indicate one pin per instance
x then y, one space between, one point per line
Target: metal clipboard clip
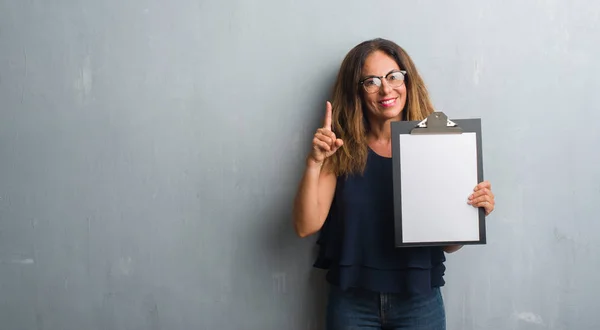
436 123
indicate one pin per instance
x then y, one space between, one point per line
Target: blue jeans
359 309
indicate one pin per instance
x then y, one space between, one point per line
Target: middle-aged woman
346 194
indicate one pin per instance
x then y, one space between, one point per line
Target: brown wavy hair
349 122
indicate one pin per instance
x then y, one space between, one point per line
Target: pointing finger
327 121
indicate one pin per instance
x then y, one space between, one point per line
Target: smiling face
388 102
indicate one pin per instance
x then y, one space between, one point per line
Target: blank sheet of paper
438 173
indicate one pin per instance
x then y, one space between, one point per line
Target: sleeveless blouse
356 242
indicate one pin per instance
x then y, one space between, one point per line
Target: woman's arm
452 248
317 186
313 199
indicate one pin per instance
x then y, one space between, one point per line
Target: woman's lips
388 102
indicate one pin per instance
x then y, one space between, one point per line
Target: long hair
348 118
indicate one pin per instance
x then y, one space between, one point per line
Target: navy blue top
357 238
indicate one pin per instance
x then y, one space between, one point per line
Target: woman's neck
380 131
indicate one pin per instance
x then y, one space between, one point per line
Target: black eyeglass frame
403 72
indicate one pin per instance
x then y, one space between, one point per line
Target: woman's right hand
325 143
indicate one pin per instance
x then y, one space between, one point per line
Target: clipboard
436 163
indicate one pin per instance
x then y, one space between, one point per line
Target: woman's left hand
482 196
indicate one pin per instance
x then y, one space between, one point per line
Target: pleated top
356 243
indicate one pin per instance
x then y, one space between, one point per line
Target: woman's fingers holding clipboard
483 196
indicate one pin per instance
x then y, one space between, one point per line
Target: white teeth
388 102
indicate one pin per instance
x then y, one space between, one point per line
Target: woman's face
385 102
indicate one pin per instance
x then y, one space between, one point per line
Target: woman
346 193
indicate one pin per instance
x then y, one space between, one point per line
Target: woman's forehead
379 64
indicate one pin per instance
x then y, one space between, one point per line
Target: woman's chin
386 113
391 113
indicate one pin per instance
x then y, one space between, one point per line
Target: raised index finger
327 120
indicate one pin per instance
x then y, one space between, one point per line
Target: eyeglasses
373 83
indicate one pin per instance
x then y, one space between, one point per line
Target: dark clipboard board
436 123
